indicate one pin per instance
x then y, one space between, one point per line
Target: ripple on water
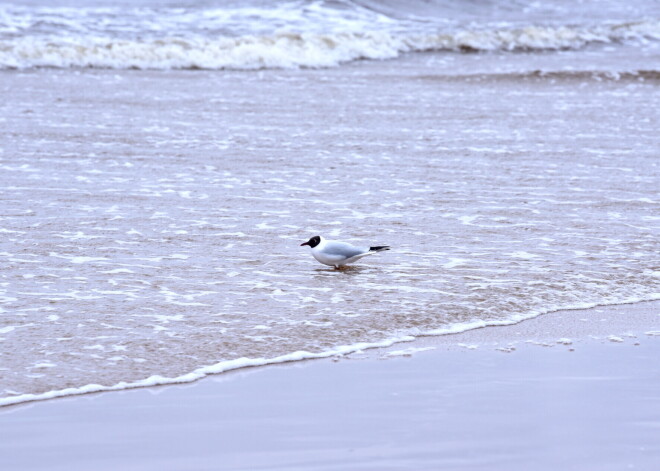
190 255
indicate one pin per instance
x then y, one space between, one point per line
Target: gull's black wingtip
379 248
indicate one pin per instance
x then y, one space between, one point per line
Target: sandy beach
567 390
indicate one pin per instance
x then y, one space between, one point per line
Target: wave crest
290 50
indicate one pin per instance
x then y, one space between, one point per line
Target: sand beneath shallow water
187 195
569 390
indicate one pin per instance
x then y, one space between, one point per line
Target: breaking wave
308 50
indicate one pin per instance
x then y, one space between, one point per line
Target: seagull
337 254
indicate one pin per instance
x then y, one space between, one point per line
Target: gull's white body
337 254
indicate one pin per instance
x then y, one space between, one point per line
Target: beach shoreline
572 389
445 338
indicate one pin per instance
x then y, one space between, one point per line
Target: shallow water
151 220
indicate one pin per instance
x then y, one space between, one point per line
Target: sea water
160 165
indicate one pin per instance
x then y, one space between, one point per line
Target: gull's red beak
304 243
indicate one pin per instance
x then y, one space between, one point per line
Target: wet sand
569 390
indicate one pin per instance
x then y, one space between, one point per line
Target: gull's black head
313 242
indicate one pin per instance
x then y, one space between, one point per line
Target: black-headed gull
337 254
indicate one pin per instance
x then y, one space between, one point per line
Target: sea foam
295 50
220 367
244 362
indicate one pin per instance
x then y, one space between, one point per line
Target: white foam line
458 328
202 372
229 365
308 49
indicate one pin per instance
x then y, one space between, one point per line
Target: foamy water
151 220
233 35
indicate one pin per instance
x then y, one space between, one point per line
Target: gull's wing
343 249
